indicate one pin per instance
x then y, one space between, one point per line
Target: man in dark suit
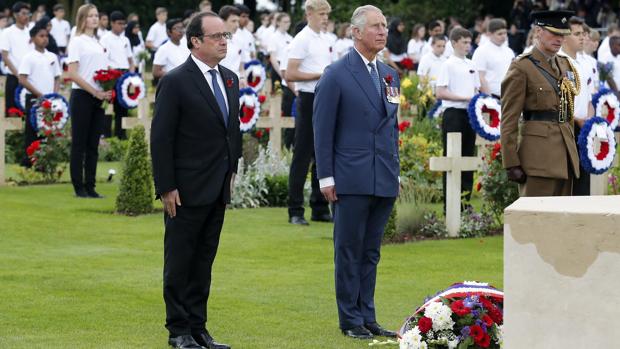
195 146
356 145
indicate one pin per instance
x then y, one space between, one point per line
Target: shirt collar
203 67
366 61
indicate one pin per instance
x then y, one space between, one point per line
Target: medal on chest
391 92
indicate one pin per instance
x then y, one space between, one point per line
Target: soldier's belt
552 116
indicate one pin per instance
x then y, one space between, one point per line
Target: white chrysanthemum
441 315
500 336
412 339
453 344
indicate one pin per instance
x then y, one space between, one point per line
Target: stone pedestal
561 273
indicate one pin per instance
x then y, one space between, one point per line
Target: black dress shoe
358 332
93 194
377 330
208 342
81 193
326 217
184 342
298 220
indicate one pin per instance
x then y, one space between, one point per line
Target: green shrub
14 147
497 191
277 191
112 149
474 224
136 192
415 154
390 232
433 226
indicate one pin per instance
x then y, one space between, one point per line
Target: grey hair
358 20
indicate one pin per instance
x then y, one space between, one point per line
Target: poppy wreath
436 110
479 107
20 97
607 106
255 75
50 114
249 109
130 88
596 130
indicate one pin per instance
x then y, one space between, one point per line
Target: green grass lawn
75 275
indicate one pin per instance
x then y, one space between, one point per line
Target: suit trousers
9 92
30 135
359 223
190 245
303 154
119 114
456 120
288 98
581 185
87 118
541 186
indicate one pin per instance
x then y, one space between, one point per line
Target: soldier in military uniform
541 86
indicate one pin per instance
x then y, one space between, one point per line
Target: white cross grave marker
454 164
275 122
144 119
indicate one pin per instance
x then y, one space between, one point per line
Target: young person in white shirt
15 44
416 43
590 45
583 109
430 64
61 29
344 42
604 50
120 57
233 61
458 82
261 40
104 24
436 28
278 44
86 56
172 53
493 58
132 31
39 73
157 33
244 37
310 53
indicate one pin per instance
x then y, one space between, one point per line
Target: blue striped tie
219 96
375 77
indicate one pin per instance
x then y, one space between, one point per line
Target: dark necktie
219 96
375 77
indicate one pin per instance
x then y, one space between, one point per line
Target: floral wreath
480 105
249 106
20 97
606 105
130 88
596 128
54 103
255 75
436 110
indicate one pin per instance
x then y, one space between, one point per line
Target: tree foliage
136 192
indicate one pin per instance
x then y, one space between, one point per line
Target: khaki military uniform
546 150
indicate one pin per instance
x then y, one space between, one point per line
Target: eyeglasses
219 36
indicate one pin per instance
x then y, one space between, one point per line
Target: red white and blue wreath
255 75
607 106
482 108
130 88
436 110
56 108
20 97
597 145
249 105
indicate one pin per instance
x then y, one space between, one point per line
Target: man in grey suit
356 145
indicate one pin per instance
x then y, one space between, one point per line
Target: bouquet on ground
106 78
466 315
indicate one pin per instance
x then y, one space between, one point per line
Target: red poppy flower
484 342
46 104
459 308
388 79
487 320
425 324
476 333
229 82
262 99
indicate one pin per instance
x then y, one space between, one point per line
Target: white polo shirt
430 65
278 44
414 49
232 60
494 61
157 34
61 29
342 46
591 65
429 48
42 69
118 49
17 43
315 52
90 55
604 51
244 39
170 55
459 75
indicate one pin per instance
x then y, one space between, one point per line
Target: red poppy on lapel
388 79
229 82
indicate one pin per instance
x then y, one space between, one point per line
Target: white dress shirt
204 68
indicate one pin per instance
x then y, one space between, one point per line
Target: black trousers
581 185
288 97
456 120
190 246
119 114
303 154
30 135
87 117
9 92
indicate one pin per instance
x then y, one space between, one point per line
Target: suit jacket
546 149
355 129
191 148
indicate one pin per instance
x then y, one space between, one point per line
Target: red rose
262 99
46 104
478 186
459 308
496 150
487 320
388 79
15 112
496 315
476 333
484 342
403 126
48 133
407 63
259 134
425 324
33 147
